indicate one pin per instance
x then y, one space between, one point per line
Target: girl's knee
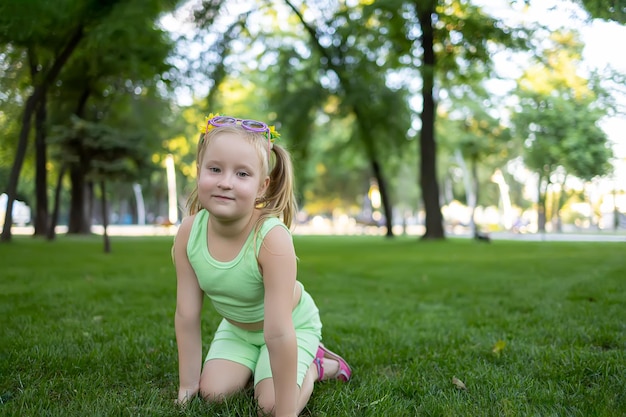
212 395
265 398
265 405
221 379
216 393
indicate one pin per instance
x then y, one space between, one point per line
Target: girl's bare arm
189 297
278 262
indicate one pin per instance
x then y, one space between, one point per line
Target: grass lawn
530 328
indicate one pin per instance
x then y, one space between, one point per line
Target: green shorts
248 347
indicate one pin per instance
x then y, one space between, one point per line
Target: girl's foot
343 372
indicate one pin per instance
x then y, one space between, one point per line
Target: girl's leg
264 390
307 387
264 393
307 374
330 365
331 369
229 362
221 378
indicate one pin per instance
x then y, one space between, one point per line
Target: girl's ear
264 184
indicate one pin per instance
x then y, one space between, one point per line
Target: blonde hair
279 199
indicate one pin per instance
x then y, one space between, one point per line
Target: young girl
235 248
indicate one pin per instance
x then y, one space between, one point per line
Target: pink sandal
344 372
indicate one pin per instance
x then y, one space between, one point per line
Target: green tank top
235 287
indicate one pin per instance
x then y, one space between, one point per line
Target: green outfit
237 292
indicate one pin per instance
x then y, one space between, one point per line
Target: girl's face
230 177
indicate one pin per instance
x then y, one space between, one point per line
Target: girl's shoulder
186 226
273 231
276 243
269 223
179 248
187 223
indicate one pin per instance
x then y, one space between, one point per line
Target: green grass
88 334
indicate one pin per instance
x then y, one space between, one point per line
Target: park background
499 116
412 125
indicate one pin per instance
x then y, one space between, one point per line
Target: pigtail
280 200
193 202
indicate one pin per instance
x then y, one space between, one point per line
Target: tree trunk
474 167
20 153
428 149
41 175
541 207
54 219
616 212
559 203
471 197
79 203
384 196
105 221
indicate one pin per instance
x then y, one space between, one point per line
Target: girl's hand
185 395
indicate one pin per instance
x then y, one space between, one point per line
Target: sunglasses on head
248 124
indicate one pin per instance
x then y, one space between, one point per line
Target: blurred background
428 118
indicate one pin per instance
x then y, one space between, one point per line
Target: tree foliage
557 118
614 10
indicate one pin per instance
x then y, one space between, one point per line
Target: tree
112 154
379 111
557 118
456 41
31 31
13 78
480 141
109 83
428 148
95 68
